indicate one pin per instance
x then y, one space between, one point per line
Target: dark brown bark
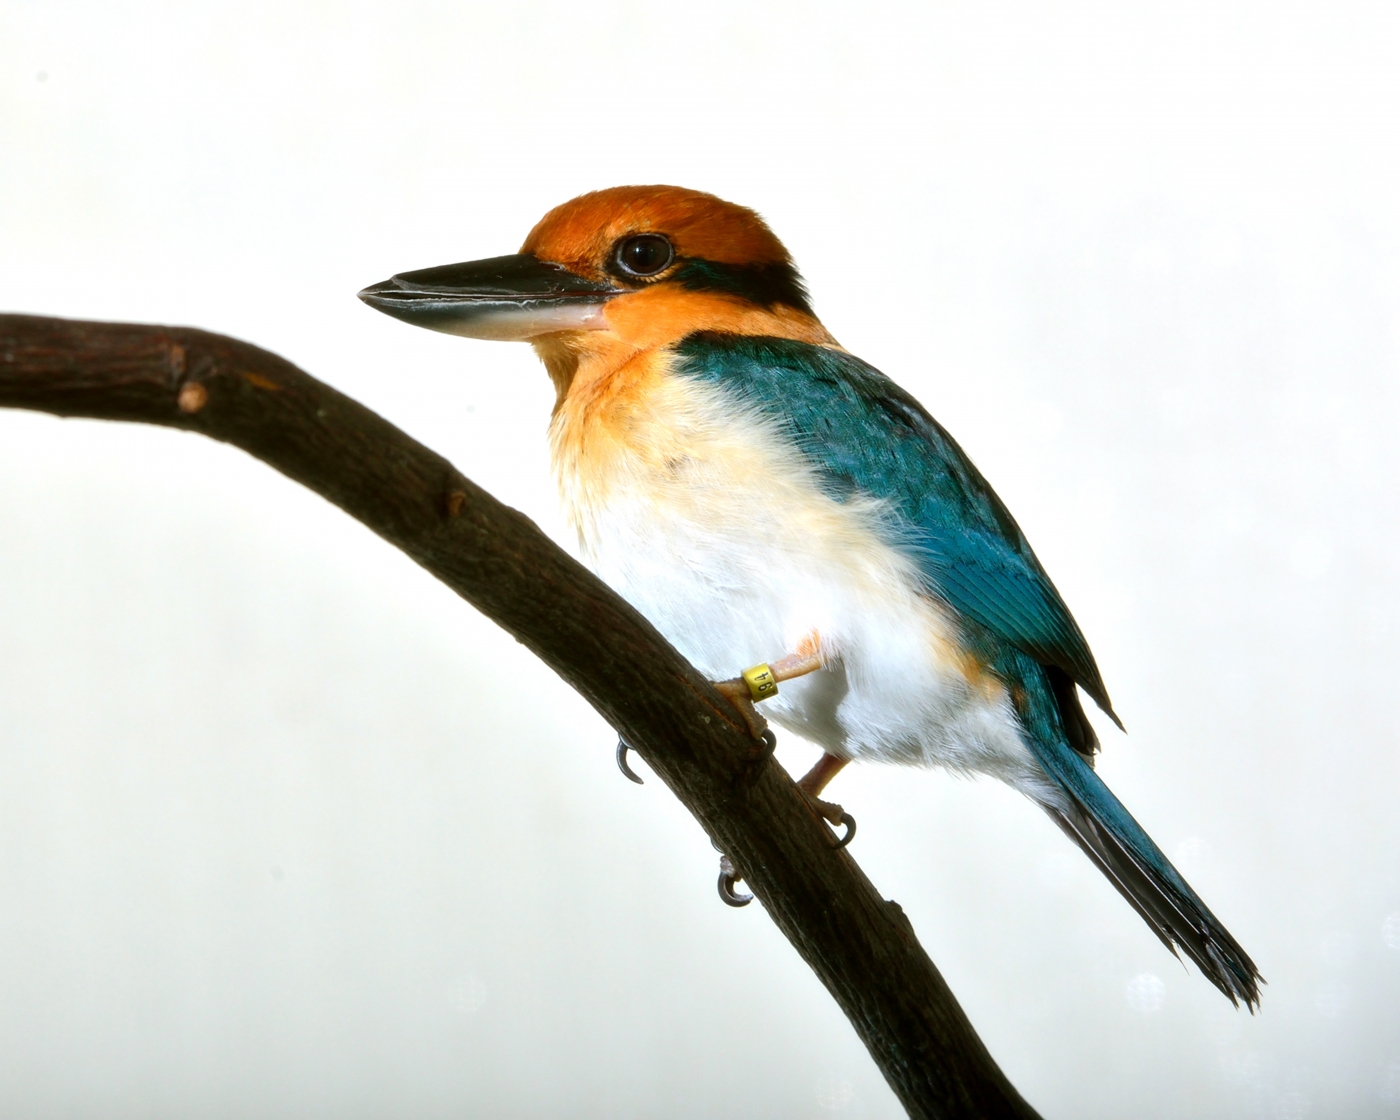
862 946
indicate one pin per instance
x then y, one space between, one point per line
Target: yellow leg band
761 683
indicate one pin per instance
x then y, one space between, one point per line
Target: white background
287 830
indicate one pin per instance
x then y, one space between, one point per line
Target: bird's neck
623 420
653 320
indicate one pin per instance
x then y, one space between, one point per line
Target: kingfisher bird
766 498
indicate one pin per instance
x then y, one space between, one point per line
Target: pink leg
807 659
820 775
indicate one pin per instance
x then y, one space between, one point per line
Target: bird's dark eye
643 255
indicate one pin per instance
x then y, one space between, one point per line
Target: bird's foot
834 815
761 681
736 691
816 780
727 878
623 746
729 875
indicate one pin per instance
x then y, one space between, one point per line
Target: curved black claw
627 772
727 878
850 823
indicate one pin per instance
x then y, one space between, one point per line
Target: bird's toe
835 816
728 877
736 691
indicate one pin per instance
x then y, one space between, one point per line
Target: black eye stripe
647 256
642 254
767 285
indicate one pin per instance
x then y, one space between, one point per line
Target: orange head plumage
587 234
614 272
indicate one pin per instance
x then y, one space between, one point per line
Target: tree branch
862 947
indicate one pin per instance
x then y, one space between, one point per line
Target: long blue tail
1106 831
1097 821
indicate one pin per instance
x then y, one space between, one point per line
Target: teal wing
866 435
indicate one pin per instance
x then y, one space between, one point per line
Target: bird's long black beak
514 297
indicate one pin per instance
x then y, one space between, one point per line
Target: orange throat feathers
654 319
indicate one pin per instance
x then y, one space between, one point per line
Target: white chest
720 533
707 521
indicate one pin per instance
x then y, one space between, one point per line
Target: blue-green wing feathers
866 435
1106 832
